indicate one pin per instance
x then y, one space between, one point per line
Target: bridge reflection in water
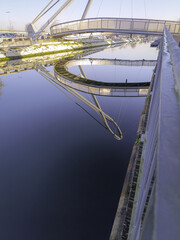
26 64
71 82
96 107
81 83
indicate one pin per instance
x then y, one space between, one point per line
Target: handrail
175 57
132 25
112 18
156 206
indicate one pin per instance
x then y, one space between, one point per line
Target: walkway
155 197
116 25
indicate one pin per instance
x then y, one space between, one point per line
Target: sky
15 14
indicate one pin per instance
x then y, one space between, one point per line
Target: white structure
116 25
156 202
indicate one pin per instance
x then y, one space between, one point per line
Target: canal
61 171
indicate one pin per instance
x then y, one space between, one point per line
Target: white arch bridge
89 25
116 25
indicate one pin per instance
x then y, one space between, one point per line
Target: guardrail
146 26
156 207
175 57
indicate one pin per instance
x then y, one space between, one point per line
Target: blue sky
17 13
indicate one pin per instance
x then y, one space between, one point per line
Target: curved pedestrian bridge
82 83
116 25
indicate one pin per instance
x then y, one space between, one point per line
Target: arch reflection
96 106
82 83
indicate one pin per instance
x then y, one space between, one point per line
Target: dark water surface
61 173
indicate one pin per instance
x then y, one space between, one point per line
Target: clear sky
17 13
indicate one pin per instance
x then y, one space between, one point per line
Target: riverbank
48 48
38 50
122 219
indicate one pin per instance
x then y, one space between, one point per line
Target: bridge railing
175 57
117 25
148 159
156 207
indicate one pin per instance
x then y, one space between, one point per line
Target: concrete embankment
121 224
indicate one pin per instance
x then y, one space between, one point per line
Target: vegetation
137 141
66 43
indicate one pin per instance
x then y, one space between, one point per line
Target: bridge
149 205
90 25
116 25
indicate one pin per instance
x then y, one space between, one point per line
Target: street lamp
10 24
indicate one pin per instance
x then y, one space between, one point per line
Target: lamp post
10 24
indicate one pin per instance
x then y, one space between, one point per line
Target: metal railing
148 159
156 205
123 25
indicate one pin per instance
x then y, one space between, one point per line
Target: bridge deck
117 25
153 209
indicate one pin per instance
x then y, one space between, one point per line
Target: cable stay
131 8
32 32
120 7
47 10
39 15
145 11
99 8
31 29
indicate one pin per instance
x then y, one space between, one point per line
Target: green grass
137 141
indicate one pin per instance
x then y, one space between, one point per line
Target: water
61 173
